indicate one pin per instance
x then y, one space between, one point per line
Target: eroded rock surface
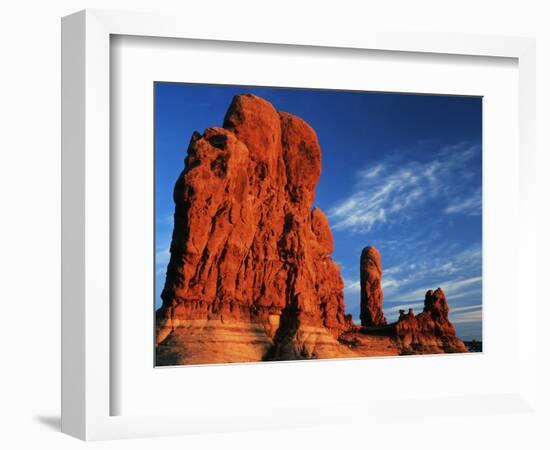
248 253
430 331
371 288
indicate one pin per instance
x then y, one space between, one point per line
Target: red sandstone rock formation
371 288
430 331
250 275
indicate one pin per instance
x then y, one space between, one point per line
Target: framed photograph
250 268
250 218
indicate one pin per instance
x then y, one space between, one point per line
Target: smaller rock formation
430 331
371 288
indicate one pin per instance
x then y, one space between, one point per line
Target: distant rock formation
250 274
371 288
430 331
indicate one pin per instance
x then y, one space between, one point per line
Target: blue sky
400 171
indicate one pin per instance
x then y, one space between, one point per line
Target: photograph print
302 224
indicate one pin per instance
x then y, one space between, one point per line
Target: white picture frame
86 239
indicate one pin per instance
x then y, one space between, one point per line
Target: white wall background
30 201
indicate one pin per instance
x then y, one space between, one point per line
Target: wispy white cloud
352 286
377 200
470 314
452 289
470 205
374 171
165 220
391 283
162 257
467 294
466 308
391 191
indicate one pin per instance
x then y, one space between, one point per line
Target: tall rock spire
371 288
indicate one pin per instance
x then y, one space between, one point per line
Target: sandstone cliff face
371 288
250 275
430 331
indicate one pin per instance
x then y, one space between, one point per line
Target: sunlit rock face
250 265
